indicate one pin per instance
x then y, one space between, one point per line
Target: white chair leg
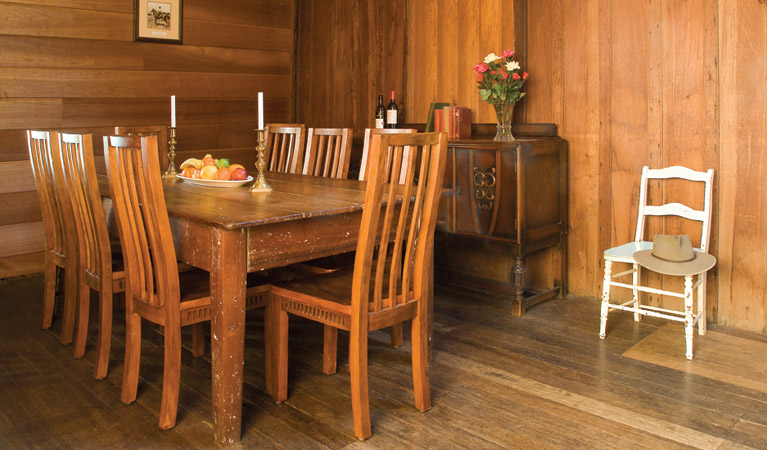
688 317
635 279
702 305
605 299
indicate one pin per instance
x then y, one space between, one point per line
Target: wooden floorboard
544 380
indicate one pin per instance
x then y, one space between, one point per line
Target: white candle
260 110
173 111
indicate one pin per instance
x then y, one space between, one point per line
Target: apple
239 174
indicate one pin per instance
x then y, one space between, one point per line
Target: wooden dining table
232 231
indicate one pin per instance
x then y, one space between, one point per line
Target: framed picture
158 21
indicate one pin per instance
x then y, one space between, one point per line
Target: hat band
673 260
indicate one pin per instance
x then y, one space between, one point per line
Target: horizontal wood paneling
73 66
20 239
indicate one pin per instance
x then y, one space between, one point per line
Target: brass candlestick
171 172
260 185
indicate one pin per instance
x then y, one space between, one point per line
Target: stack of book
453 120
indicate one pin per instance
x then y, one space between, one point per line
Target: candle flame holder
171 172
260 185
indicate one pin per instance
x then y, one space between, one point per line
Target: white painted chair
624 254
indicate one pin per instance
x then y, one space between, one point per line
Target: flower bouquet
500 80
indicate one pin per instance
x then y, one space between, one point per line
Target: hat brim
701 263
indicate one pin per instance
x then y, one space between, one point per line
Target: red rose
505 75
481 68
525 75
507 53
515 75
480 77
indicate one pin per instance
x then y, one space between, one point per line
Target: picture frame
158 21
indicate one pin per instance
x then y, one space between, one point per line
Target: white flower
512 65
491 57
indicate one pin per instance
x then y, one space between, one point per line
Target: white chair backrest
676 209
366 147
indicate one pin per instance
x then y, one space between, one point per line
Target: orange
188 171
209 172
208 161
234 166
223 174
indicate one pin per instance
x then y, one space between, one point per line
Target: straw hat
674 255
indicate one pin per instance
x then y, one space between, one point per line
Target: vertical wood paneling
743 165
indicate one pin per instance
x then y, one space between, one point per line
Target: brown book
446 119
460 122
438 120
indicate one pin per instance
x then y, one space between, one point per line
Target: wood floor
541 381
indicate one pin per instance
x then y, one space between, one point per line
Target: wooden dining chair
99 268
155 290
161 131
284 147
381 289
369 133
328 152
60 232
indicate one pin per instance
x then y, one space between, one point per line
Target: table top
293 197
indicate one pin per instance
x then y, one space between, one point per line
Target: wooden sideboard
509 200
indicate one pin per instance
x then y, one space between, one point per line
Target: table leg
518 273
227 339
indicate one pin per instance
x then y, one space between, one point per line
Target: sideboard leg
518 287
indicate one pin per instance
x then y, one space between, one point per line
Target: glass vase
504 112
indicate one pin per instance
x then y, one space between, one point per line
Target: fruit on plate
191 162
197 173
223 174
238 174
208 160
222 163
209 172
188 171
235 166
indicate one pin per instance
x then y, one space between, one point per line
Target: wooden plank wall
628 83
74 66
348 53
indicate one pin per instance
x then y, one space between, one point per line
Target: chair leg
49 296
635 293
397 338
198 339
688 316
83 315
105 330
276 355
132 353
358 371
420 355
70 305
330 350
171 377
605 299
702 305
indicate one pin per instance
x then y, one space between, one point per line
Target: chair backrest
161 131
676 209
328 152
82 187
410 214
135 184
369 132
284 147
42 150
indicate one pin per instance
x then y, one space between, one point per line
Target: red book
438 119
460 122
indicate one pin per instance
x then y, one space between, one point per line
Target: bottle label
379 123
391 117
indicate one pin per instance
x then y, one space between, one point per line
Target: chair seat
625 252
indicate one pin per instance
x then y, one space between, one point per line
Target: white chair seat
625 252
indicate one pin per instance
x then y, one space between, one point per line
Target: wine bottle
391 113
380 113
